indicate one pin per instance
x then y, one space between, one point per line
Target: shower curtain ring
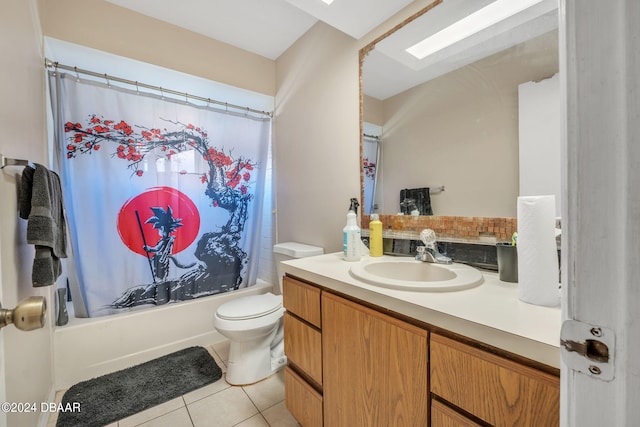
77 75
208 102
137 88
186 98
161 93
106 77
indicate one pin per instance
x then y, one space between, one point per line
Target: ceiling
270 27
266 27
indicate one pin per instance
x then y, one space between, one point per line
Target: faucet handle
428 237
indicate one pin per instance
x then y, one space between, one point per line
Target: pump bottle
351 240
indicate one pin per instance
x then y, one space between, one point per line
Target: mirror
470 121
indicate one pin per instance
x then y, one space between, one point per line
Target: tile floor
218 404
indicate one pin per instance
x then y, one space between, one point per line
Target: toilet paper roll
537 251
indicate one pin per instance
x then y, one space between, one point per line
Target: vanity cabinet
352 364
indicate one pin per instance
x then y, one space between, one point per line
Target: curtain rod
57 66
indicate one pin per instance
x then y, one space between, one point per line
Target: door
600 63
374 368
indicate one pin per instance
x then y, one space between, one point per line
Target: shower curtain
163 197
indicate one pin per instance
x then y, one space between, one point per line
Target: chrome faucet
429 252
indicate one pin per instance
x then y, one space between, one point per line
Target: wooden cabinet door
304 403
499 391
302 299
444 416
303 347
374 367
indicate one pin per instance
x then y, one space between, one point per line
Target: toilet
253 325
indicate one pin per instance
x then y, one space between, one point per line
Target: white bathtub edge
88 348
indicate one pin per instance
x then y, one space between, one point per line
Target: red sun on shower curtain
159 193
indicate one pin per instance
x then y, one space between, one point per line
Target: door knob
28 315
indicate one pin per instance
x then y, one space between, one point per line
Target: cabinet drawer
497 390
304 403
444 416
303 346
302 299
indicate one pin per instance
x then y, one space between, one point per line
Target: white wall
540 132
28 375
459 131
316 150
104 26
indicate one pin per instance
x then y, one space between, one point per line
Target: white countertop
490 313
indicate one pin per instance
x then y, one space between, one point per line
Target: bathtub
86 348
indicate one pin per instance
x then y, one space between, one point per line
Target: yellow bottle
375 236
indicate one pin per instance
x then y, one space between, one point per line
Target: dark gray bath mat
120 394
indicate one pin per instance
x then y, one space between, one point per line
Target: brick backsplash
463 228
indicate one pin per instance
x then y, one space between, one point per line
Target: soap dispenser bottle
375 236
351 240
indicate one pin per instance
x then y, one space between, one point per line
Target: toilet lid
250 307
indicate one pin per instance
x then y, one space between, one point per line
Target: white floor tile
217 358
267 392
222 349
225 408
255 421
151 413
53 416
278 415
205 391
177 418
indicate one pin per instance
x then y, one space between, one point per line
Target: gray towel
41 204
422 198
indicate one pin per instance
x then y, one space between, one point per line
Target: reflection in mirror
370 159
458 119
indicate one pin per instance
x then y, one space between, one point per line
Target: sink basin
411 275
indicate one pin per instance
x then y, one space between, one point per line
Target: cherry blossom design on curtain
226 184
369 168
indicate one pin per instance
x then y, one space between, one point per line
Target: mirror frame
468 229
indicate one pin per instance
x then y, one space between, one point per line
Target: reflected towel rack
8 161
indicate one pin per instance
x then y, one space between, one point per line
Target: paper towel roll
537 251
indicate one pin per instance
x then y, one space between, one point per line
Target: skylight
484 18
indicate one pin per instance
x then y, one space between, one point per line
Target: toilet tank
291 250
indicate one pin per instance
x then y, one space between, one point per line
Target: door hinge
588 349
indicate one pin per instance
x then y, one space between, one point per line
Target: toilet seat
250 307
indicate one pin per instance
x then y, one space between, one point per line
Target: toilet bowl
253 325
